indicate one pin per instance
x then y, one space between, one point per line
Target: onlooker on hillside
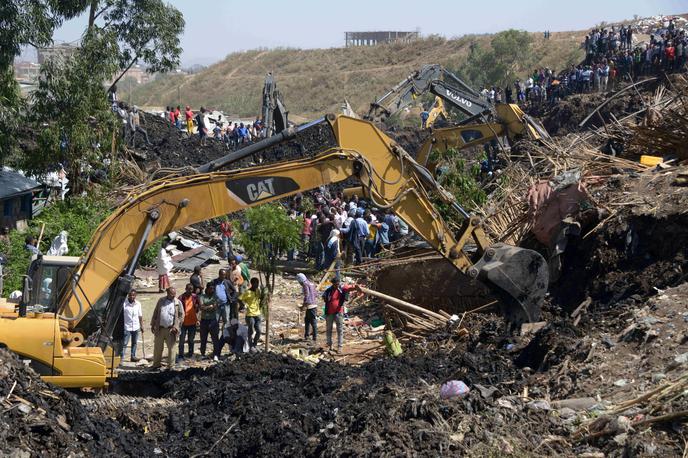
135 127
310 306
335 297
164 267
202 128
189 120
197 280
251 300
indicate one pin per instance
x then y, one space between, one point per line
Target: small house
16 199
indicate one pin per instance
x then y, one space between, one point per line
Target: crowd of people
338 230
231 134
611 56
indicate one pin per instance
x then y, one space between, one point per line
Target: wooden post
40 236
403 304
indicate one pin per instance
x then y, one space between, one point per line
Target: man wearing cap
309 305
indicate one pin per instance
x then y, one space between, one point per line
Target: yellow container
650 161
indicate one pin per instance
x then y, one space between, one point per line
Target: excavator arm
434 79
390 177
388 173
511 122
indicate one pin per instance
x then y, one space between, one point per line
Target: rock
487 392
620 439
620 424
608 342
621 382
658 377
566 412
453 389
23 408
539 405
501 402
532 327
575 403
157 451
681 359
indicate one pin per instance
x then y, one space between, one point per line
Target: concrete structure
16 199
373 38
59 50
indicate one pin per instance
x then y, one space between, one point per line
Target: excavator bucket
518 276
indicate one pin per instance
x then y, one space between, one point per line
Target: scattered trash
453 389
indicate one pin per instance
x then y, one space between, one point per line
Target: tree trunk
131 64
92 14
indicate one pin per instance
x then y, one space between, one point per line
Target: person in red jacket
189 120
335 296
178 117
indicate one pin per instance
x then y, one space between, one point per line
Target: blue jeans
223 313
253 323
134 336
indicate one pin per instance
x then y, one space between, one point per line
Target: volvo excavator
452 91
68 333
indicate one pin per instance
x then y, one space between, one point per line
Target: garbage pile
42 420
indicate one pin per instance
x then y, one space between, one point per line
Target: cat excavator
68 334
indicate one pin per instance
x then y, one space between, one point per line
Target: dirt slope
316 81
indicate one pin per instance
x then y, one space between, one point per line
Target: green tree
270 232
79 216
71 106
509 53
147 31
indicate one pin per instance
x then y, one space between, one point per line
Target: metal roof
13 183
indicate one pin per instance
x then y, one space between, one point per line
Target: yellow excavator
67 332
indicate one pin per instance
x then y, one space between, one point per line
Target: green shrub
79 216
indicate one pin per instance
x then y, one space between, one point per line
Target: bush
79 216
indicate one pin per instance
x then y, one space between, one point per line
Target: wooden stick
403 304
327 274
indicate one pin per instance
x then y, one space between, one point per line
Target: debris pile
40 419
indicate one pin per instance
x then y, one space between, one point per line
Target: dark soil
565 116
628 258
44 420
171 148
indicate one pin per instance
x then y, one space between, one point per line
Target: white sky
215 28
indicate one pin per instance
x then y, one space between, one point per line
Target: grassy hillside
316 81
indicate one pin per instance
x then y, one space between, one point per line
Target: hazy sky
215 28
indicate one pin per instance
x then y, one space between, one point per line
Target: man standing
135 126
227 237
133 323
164 267
189 120
251 300
310 304
235 275
31 245
209 322
197 280
190 303
202 128
226 295
167 317
335 296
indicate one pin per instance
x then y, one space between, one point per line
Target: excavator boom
352 147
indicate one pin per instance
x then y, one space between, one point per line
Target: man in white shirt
167 318
133 323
